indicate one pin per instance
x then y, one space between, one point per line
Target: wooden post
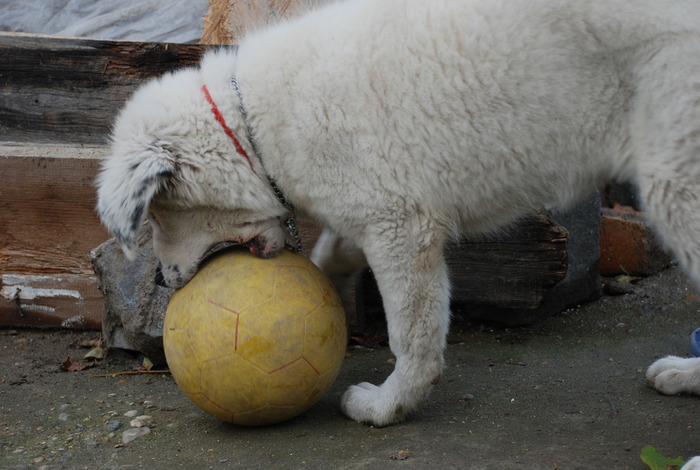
228 20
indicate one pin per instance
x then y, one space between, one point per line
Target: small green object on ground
656 461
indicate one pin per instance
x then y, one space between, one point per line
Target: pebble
141 421
113 425
92 444
134 433
140 425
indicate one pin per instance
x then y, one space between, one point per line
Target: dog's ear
126 188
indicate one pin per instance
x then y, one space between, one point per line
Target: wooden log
62 90
509 274
513 270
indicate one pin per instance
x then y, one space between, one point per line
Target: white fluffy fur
692 464
398 124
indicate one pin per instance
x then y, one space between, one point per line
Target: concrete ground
568 393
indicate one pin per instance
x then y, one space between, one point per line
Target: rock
582 221
113 425
131 413
134 433
135 305
141 421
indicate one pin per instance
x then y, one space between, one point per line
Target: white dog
399 124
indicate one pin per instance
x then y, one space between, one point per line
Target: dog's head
172 164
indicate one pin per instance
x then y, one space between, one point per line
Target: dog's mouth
262 246
217 248
213 250
265 245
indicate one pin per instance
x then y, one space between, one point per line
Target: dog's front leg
410 270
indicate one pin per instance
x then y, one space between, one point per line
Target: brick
628 245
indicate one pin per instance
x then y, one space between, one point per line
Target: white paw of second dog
371 404
672 375
692 464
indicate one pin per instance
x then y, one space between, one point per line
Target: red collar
220 119
290 222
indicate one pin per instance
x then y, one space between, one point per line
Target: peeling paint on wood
16 287
61 300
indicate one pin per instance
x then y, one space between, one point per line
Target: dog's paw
673 375
371 404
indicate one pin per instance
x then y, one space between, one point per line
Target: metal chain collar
294 243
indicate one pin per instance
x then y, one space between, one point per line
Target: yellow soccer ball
255 341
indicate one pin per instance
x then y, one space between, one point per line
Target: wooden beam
512 270
62 90
48 226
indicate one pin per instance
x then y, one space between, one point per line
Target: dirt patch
566 393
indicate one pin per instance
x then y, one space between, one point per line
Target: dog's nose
160 280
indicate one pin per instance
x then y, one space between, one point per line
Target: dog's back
471 94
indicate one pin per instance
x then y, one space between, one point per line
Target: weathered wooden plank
513 270
49 223
58 99
68 90
55 300
48 226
